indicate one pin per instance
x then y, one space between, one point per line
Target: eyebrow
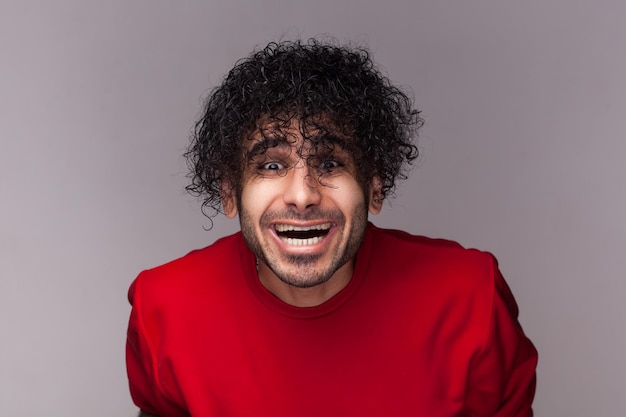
324 140
261 146
329 139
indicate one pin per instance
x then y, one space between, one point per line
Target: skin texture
288 183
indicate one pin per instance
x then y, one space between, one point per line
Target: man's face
302 211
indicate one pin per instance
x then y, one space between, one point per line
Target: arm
502 375
141 366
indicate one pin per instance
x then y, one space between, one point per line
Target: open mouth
302 235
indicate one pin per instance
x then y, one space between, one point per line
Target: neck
309 296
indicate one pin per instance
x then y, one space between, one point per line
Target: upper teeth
289 227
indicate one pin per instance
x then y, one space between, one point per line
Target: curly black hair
322 85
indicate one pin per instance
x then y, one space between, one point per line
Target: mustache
295 215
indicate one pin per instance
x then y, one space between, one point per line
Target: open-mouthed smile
302 235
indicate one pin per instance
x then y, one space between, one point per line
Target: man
311 310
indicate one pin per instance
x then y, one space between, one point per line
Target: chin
303 283
300 279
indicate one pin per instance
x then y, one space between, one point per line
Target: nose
302 187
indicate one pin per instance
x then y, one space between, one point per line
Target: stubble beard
304 271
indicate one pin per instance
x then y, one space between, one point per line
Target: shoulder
200 267
438 277
400 245
441 261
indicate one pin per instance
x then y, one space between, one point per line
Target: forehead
296 133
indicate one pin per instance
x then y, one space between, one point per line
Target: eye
329 164
272 166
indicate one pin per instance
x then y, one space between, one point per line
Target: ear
229 200
375 195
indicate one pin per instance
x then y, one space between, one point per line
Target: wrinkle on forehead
307 137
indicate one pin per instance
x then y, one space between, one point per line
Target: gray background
522 155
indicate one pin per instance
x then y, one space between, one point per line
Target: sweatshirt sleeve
141 365
502 374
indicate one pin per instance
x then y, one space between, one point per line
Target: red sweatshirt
424 328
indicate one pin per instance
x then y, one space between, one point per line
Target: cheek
349 195
257 197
